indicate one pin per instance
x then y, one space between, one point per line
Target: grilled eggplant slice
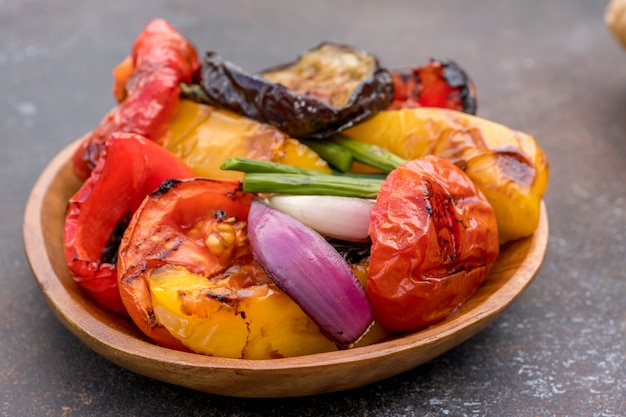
326 90
440 83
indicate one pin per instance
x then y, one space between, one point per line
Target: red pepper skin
434 239
161 59
440 83
129 168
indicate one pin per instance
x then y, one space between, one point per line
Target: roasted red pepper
129 168
434 239
440 83
147 86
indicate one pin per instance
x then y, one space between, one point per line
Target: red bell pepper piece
147 86
440 83
129 168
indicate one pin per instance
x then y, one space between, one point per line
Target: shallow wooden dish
120 342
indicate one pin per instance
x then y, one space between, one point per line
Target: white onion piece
346 218
308 269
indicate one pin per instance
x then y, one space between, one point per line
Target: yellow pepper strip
204 136
228 318
231 317
508 166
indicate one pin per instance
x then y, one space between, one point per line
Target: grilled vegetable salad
322 204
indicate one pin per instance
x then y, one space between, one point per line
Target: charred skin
440 83
327 90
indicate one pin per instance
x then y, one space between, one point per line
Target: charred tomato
434 239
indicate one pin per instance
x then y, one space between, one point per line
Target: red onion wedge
308 269
346 218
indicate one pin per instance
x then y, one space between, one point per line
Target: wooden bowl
118 340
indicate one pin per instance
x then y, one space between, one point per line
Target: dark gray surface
551 69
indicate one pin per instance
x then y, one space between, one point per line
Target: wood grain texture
118 340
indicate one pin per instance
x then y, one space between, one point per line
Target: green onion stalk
272 177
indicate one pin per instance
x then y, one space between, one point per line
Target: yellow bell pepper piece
226 319
204 136
507 165
376 333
